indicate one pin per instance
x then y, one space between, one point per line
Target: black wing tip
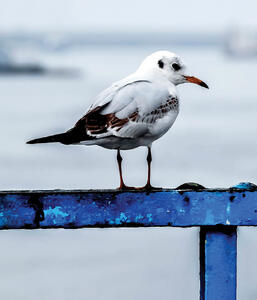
47 139
31 142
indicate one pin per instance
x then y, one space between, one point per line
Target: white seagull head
169 65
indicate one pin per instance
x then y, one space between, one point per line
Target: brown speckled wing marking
158 113
171 104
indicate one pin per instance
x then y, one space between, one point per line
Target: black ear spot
161 64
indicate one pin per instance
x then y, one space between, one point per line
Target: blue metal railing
218 212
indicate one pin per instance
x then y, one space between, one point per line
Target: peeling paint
122 219
2 221
138 218
150 217
228 208
76 209
55 213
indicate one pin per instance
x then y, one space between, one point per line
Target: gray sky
199 15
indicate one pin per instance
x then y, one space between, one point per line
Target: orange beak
196 81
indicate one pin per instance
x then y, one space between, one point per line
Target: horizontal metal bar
180 208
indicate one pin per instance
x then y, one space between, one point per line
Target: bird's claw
126 188
147 187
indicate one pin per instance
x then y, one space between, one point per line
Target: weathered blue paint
245 186
56 214
216 211
75 209
218 256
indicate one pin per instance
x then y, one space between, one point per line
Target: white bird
132 112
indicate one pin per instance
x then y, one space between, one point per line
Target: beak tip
203 84
195 80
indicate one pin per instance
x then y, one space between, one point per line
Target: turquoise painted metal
218 212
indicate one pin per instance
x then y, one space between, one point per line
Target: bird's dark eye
176 67
161 64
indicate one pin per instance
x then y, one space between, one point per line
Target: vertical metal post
218 259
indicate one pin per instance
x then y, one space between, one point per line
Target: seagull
132 112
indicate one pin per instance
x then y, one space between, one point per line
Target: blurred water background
52 80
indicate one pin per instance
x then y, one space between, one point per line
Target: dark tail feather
61 138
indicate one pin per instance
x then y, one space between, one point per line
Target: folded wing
124 111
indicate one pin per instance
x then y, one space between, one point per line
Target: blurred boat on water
241 43
10 66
